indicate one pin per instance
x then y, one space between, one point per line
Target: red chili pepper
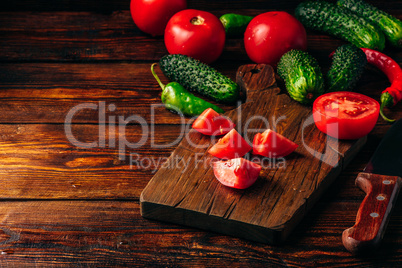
393 94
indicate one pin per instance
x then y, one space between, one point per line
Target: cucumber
200 77
347 67
235 24
302 75
390 26
340 22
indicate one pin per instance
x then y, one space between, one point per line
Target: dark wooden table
73 71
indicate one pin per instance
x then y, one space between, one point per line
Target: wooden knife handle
373 214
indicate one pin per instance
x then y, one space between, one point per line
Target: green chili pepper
178 99
235 24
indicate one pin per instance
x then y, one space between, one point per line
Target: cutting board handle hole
255 71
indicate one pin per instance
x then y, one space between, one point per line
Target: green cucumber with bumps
200 77
348 64
340 22
302 74
390 26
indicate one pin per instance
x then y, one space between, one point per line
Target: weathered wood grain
46 162
124 89
90 36
56 168
112 233
58 54
47 92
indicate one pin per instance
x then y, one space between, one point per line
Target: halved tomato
345 115
272 144
237 173
232 145
212 123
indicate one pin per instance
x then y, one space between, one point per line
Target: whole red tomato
270 35
195 33
151 16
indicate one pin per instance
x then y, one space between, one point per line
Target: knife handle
373 214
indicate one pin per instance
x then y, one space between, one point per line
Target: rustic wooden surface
285 191
65 206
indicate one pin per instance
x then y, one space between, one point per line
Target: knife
381 181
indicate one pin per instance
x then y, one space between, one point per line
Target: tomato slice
232 145
345 115
212 123
238 173
272 144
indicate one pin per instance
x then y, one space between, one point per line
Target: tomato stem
156 77
197 21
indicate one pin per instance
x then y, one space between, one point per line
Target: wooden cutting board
185 191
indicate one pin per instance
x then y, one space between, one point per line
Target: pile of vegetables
364 26
196 38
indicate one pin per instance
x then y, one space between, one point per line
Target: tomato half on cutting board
238 173
272 144
232 145
345 115
212 123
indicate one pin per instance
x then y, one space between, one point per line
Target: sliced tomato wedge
272 144
232 145
238 173
212 123
345 115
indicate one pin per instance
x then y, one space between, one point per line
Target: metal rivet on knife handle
380 197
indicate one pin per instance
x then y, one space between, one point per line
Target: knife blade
381 181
